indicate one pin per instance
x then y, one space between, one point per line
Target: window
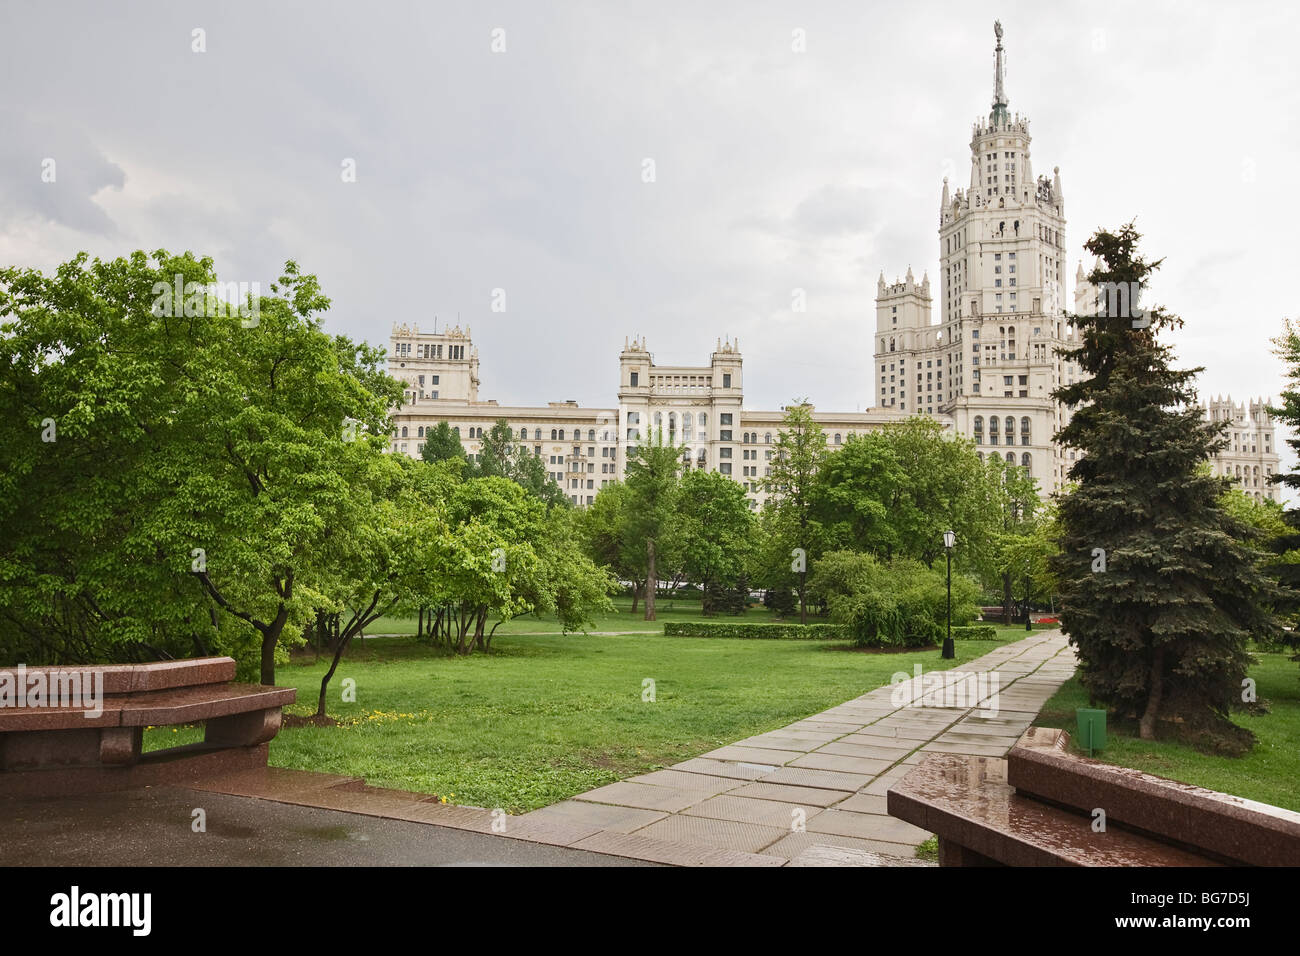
724 418
979 429
726 380
724 434
523 434
591 435
553 434
634 379
1024 431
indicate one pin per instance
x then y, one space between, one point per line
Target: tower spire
999 116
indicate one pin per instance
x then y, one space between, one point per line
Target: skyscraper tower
990 361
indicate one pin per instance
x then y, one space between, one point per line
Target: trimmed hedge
976 632
789 632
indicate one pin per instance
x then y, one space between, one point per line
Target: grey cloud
33 151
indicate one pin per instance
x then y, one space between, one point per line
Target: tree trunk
803 597
340 647
1006 600
1147 725
270 638
650 579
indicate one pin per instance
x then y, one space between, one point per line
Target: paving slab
723 834
771 813
793 844
801 796
644 796
867 826
865 803
599 815
867 766
820 854
850 747
640 847
823 779
721 768
705 783
758 755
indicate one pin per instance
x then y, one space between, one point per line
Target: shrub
796 632
901 603
874 620
976 632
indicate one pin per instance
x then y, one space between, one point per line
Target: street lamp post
949 539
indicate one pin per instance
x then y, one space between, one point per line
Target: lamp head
949 539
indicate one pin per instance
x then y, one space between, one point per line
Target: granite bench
1039 807
83 727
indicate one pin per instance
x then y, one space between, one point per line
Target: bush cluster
792 632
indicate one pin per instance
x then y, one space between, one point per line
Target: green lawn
1269 773
542 718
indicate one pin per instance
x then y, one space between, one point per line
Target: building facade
701 408
989 364
1250 458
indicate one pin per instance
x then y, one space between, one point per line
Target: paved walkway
810 794
794 794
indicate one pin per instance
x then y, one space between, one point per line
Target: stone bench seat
981 820
177 705
43 748
1038 807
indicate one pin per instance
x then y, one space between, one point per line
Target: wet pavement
155 827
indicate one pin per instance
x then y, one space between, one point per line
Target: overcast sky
775 169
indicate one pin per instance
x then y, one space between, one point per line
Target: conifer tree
1160 591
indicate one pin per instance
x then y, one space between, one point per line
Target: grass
543 718
1268 773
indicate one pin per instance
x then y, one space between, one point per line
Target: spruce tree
1160 591
1284 548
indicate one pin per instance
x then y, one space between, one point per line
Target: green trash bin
1092 729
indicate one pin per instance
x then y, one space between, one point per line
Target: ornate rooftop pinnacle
999 116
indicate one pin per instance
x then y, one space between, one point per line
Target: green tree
1020 537
442 444
651 476
714 534
197 457
792 488
894 492
1159 592
603 526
